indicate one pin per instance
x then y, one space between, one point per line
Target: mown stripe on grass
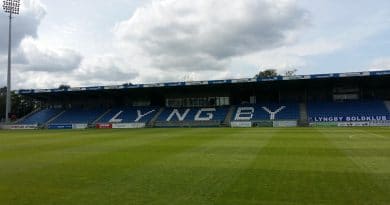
88 172
371 166
302 179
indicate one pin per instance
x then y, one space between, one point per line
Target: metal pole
8 102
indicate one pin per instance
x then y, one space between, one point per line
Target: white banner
79 126
19 127
286 123
240 124
353 124
128 125
380 123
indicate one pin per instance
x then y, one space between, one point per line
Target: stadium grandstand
337 99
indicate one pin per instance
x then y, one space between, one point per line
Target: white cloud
26 24
174 40
380 64
42 58
39 79
206 34
105 69
97 70
298 53
291 56
33 61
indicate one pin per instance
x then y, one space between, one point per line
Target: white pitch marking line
378 135
365 134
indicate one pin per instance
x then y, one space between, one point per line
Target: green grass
196 166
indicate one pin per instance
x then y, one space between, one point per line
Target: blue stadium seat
41 116
78 115
347 111
130 114
283 111
218 115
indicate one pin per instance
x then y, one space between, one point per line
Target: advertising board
285 123
353 124
79 126
241 124
59 126
19 127
128 125
104 126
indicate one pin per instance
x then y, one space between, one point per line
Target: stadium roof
209 82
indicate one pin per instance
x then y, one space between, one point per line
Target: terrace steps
101 116
303 120
387 103
155 117
229 116
54 118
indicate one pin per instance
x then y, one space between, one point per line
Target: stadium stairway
387 103
151 123
54 118
101 116
303 119
229 116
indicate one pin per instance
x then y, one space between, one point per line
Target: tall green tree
268 73
21 105
64 87
291 72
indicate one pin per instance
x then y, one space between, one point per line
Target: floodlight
11 7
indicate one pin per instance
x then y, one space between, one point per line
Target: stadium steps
303 119
101 116
387 103
54 118
28 115
229 116
154 119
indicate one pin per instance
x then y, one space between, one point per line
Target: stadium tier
78 115
348 111
41 116
215 116
338 99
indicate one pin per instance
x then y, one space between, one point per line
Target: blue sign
349 118
60 126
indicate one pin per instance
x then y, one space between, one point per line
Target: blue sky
88 42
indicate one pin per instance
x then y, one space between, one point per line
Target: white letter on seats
209 114
114 119
246 111
178 115
273 114
140 115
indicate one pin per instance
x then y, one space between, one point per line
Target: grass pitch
196 166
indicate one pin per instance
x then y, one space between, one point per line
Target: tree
268 73
21 105
188 77
64 87
290 73
127 84
3 92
